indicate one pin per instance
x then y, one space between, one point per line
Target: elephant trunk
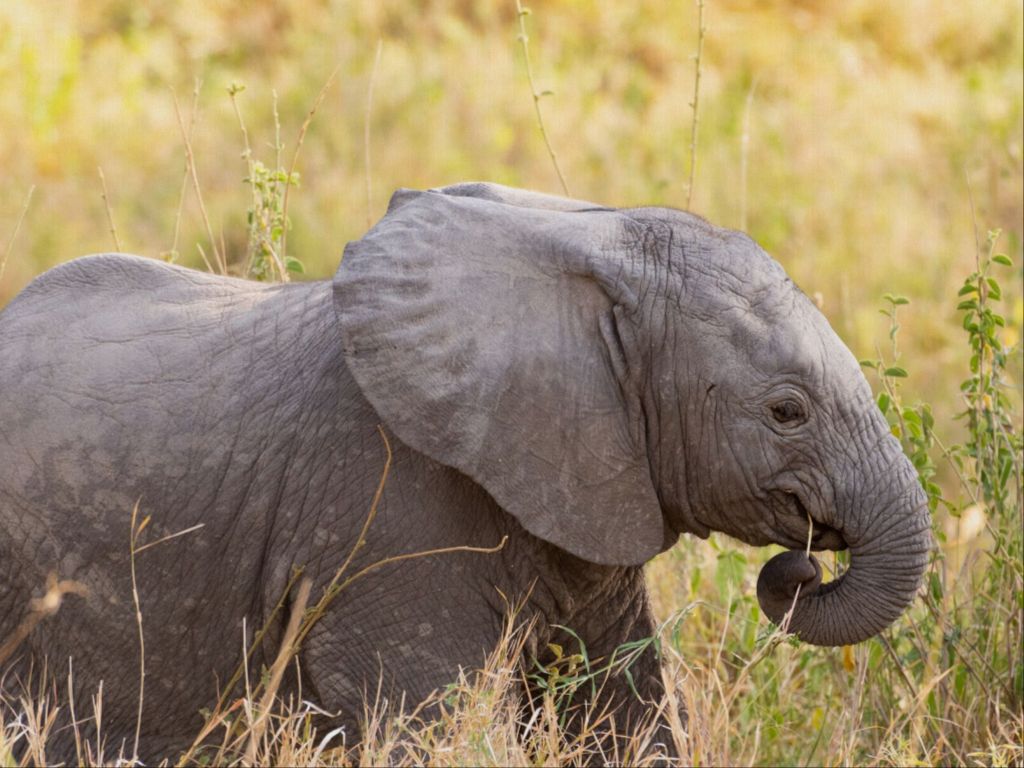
889 546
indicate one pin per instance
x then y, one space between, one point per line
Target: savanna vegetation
873 148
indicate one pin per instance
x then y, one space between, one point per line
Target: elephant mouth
792 525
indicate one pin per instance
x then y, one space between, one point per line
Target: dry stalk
41 608
132 541
106 206
288 649
172 254
291 169
694 105
136 530
775 638
744 153
524 40
233 92
366 131
193 174
17 228
71 709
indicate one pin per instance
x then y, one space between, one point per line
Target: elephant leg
622 685
400 635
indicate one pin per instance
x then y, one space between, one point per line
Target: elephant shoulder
108 297
89 287
118 272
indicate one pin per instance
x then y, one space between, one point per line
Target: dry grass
480 720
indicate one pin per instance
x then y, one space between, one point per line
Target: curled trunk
888 557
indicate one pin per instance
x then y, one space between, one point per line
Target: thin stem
366 131
524 41
172 255
233 92
284 655
278 261
17 228
106 206
694 105
191 165
133 539
291 170
744 152
39 609
170 536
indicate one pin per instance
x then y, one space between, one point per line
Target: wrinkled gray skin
589 382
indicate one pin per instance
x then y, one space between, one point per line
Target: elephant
559 388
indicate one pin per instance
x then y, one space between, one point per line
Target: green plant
957 654
268 222
267 215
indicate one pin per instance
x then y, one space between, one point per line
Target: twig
366 130
41 608
191 166
110 214
278 146
172 255
168 537
336 584
284 655
202 253
233 90
257 640
524 40
694 105
17 228
291 170
135 531
134 550
361 539
744 152
796 594
71 709
779 633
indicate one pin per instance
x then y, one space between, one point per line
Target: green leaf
294 265
896 300
935 587
896 372
729 570
1002 258
994 290
968 288
926 417
873 365
969 304
883 402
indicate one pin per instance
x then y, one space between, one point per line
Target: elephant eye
788 411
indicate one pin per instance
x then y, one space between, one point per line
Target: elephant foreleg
605 675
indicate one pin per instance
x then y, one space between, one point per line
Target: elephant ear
482 332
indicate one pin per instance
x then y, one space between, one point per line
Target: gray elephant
588 382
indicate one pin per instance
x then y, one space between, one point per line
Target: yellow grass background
867 145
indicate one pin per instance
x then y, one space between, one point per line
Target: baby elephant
579 382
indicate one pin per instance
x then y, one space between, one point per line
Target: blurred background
869 146
847 138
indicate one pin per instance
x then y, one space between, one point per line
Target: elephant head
615 377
